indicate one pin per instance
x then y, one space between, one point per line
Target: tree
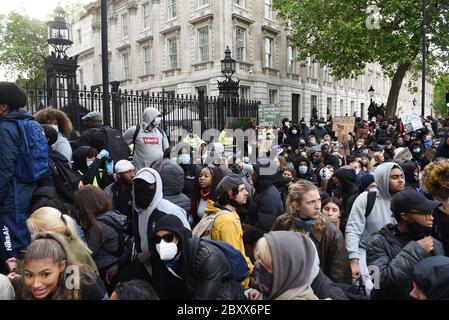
22 46
348 35
439 94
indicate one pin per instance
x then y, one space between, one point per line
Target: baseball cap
95 115
410 200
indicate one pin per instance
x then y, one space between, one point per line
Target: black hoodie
431 275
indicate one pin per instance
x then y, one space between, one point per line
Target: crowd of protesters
112 216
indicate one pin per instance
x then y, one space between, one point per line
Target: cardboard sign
344 145
151 140
343 125
410 119
269 115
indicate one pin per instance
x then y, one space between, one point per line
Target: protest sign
343 125
410 119
269 115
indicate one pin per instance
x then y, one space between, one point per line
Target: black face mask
143 193
302 145
418 231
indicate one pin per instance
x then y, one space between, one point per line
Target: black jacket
441 228
319 132
309 175
395 254
267 204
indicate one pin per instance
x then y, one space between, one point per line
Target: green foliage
439 94
344 36
22 46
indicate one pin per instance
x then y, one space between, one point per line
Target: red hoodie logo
151 140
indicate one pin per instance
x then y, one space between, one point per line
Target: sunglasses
166 237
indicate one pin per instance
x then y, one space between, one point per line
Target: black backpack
370 200
66 181
112 140
125 242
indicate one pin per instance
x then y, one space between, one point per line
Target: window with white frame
240 44
172 53
146 15
146 54
240 3
342 108
352 107
79 36
125 23
272 96
291 59
203 44
244 92
202 3
268 9
326 73
313 101
329 106
125 65
268 49
171 9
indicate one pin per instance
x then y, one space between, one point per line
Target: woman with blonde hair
48 219
51 272
62 124
303 214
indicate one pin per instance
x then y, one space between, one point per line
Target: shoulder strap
136 132
370 200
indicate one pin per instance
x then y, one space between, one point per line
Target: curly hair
435 179
51 115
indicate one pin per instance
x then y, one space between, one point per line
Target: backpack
125 242
136 132
204 227
112 140
65 180
370 200
32 164
239 266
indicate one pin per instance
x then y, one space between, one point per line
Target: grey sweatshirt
358 229
62 145
150 145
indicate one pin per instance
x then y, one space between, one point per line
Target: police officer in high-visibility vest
96 168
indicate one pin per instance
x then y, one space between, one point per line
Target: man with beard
397 248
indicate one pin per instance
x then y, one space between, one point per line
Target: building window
146 15
268 44
81 77
146 51
171 9
203 44
291 59
244 92
240 3
342 108
268 9
125 63
352 108
314 100
326 74
79 36
272 96
124 25
329 106
240 44
201 88
202 3
173 53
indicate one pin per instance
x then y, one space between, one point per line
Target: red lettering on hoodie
151 140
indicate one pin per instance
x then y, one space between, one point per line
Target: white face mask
89 162
54 126
184 158
166 250
157 121
287 124
357 171
294 131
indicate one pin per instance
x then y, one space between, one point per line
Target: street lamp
59 36
371 91
228 64
228 88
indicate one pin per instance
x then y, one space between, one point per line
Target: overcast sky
39 9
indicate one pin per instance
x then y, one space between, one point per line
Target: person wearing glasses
369 214
397 248
202 269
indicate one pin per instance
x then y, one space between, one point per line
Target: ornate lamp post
60 68
371 92
228 88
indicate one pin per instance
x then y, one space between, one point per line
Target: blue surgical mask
157 121
184 159
302 169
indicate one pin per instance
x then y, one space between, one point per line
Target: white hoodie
152 176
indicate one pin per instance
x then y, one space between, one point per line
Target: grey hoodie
359 229
150 145
152 176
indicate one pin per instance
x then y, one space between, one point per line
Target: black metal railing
178 111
